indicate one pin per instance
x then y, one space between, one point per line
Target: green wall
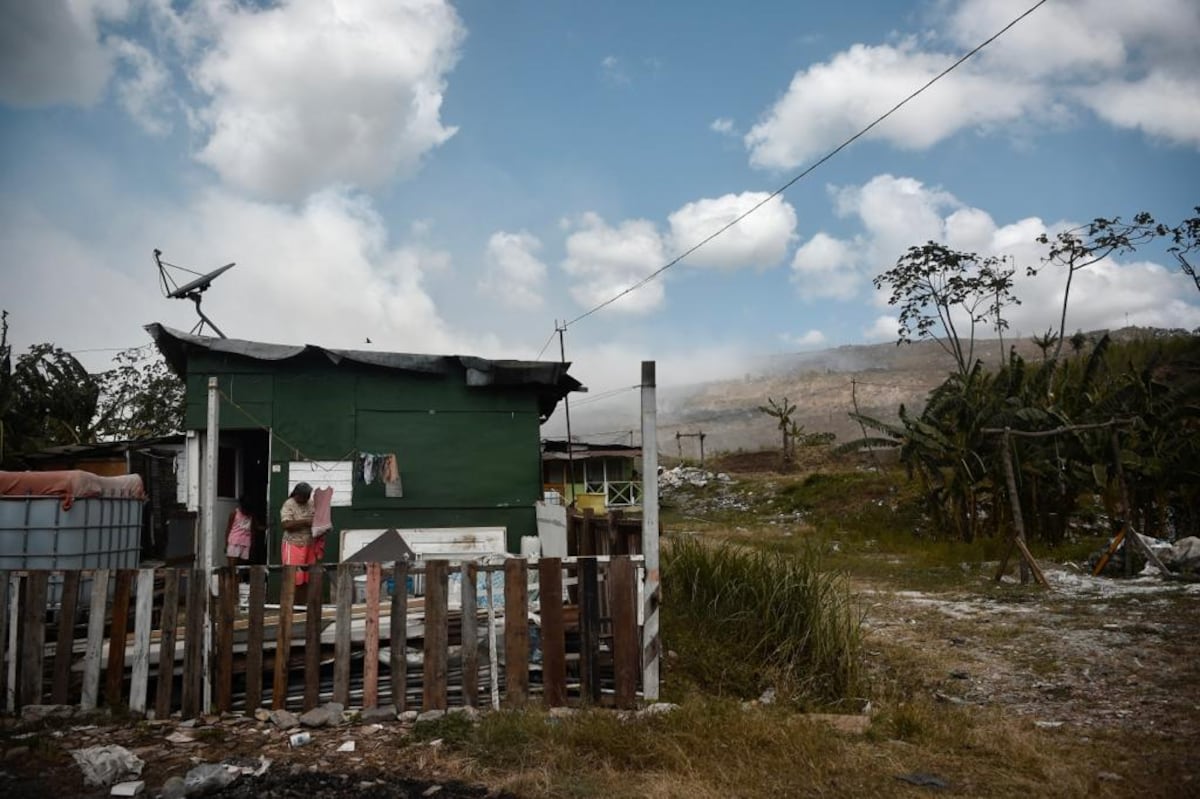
469 456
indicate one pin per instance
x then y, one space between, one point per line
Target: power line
547 344
604 395
818 163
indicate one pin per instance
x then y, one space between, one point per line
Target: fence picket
470 635
398 662
255 601
118 635
589 630
371 641
193 643
65 642
33 639
283 638
166 644
436 635
95 641
226 613
516 631
554 660
4 648
143 610
623 601
341 633
312 637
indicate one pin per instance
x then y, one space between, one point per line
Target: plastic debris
104 765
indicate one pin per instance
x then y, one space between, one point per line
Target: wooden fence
134 638
611 533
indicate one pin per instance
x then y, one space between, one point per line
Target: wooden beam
623 602
589 630
312 636
398 661
193 644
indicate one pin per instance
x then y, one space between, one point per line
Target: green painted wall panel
377 390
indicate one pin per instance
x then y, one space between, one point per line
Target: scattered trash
104 765
348 746
209 778
1184 556
923 780
658 709
768 697
300 739
181 738
1108 776
431 790
133 788
1047 725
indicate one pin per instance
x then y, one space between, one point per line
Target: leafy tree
141 397
1185 238
1080 247
51 400
940 290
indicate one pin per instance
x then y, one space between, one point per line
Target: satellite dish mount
192 290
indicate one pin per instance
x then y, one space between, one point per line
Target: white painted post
651 644
208 533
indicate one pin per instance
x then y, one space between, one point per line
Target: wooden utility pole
209 530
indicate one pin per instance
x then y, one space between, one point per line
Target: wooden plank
4 653
118 632
437 634
1033 564
95 640
398 663
516 631
254 637
587 534
312 637
623 602
191 694
65 643
283 638
554 644
470 635
142 617
589 630
371 638
341 640
166 646
226 615
33 639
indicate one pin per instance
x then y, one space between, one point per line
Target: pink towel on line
322 511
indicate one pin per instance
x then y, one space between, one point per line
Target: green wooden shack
464 433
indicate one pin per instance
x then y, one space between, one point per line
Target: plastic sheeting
70 485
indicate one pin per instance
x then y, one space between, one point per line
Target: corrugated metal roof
548 378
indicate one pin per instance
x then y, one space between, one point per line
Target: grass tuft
742 620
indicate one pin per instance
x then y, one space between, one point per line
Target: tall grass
741 620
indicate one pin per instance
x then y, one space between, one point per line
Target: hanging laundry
391 477
322 511
368 468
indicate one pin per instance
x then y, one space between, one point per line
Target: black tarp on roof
548 378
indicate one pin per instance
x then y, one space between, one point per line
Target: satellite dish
191 290
199 284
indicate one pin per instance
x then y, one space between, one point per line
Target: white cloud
825 267
305 94
50 53
143 87
807 340
1160 104
884 328
759 240
324 272
514 273
612 70
723 125
1108 294
1134 64
828 102
605 260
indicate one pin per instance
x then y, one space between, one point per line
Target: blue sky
441 177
